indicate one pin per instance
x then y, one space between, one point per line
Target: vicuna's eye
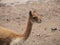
35 18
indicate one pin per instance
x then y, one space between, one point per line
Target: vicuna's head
34 17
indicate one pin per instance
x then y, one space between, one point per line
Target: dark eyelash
34 17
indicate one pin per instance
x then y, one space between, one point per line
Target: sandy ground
45 33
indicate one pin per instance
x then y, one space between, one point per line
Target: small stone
59 29
33 41
7 19
38 34
45 28
18 18
53 29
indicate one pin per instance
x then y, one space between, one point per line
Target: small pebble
53 29
38 34
59 29
7 19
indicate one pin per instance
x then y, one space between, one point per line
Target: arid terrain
45 33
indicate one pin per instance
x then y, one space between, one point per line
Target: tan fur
7 32
10 37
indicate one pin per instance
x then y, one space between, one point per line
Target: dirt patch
15 17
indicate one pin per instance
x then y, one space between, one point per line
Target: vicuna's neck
28 28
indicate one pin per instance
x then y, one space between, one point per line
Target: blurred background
14 14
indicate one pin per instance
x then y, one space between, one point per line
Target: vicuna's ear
30 13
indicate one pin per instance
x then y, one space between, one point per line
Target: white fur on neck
17 41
